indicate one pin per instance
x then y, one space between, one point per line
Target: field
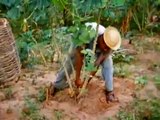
137 80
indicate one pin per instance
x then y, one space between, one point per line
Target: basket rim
3 22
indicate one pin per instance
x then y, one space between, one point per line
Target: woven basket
9 59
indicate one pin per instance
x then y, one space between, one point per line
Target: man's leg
61 80
107 73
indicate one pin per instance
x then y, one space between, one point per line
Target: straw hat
112 38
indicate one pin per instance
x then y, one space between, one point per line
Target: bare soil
91 106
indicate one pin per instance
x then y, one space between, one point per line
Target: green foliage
122 57
60 3
58 114
109 10
8 93
122 70
63 39
114 8
122 61
31 105
142 11
81 34
38 47
35 16
89 60
157 81
141 110
123 115
27 14
89 6
41 95
142 80
43 12
8 2
14 13
31 44
31 110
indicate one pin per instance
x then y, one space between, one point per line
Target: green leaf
92 34
42 3
118 2
142 80
157 79
90 67
60 3
40 16
84 37
72 29
14 13
7 2
112 14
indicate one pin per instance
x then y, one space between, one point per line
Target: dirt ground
92 106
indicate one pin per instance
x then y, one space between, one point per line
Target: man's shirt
93 25
101 30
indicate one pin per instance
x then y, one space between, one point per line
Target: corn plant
41 95
141 80
58 114
31 110
8 93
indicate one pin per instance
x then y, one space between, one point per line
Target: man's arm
78 66
79 62
100 59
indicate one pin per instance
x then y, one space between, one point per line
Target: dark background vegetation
39 25
33 21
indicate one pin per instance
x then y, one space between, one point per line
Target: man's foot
110 97
53 90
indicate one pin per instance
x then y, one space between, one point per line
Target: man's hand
78 83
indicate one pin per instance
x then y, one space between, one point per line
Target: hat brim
109 35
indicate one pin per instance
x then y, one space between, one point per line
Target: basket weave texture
9 58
